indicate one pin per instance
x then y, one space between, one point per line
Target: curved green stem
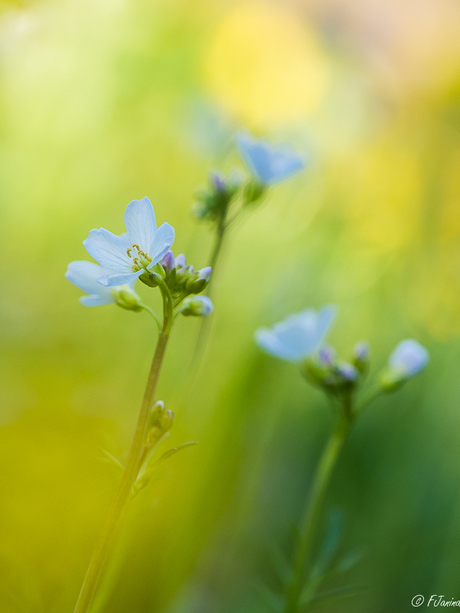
312 511
130 474
152 313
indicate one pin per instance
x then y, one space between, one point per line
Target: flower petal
113 280
85 274
140 223
298 336
161 244
268 163
108 249
285 343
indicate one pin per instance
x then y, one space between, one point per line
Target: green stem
204 330
312 511
152 313
125 489
216 250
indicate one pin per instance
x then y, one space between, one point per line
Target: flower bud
201 281
327 355
361 356
319 366
127 298
167 421
168 262
181 261
197 306
347 373
214 199
407 360
152 279
156 413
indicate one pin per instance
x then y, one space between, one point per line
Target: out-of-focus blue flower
298 336
85 274
409 358
268 164
130 255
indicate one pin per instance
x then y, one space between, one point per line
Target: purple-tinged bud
181 261
347 372
326 355
197 285
361 355
217 181
205 273
168 262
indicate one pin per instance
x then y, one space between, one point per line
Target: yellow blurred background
106 101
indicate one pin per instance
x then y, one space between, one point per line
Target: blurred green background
106 101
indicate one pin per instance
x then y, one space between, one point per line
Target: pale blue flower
298 336
85 276
130 255
409 358
268 164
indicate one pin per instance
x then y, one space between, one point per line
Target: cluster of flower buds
160 422
185 282
213 201
337 377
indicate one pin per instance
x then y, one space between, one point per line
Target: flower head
85 275
268 164
298 336
132 254
409 358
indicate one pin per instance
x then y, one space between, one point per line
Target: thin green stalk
203 332
130 474
313 509
216 250
152 313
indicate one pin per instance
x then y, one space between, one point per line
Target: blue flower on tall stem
132 254
298 336
268 163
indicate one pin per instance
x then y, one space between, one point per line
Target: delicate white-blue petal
96 300
108 249
113 280
298 336
140 223
323 323
85 274
409 357
280 345
161 244
269 164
